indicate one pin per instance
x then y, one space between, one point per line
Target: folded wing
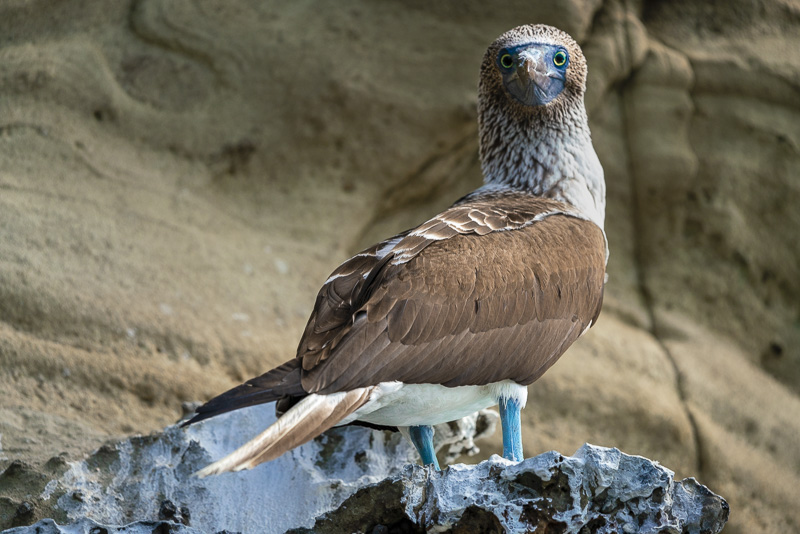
495 288
483 293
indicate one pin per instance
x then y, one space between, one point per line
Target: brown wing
345 292
491 289
496 287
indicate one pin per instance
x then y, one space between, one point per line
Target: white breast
398 404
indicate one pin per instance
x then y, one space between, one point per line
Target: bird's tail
306 420
282 382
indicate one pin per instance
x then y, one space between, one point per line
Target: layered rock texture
178 178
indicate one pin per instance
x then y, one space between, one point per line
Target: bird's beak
530 68
534 81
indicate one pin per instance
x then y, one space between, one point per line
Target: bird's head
533 128
535 68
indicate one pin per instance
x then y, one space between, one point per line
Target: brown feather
475 280
494 301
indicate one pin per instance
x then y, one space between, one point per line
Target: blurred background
178 178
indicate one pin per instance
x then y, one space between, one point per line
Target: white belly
398 404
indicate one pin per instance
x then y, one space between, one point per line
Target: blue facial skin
532 74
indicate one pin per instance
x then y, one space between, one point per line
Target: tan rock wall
177 179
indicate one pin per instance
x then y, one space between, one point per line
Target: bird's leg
422 438
512 432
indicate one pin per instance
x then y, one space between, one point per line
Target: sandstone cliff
177 179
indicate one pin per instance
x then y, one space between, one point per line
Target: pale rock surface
150 478
359 480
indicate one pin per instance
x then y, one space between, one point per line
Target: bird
466 310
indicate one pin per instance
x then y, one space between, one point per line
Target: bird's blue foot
422 438
512 431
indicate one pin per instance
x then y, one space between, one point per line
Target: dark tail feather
282 381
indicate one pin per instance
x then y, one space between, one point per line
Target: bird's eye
506 61
560 58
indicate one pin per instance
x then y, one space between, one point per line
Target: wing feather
507 300
483 292
491 289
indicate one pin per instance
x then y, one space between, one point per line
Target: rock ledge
598 490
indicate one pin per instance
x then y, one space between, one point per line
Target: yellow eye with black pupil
506 61
560 58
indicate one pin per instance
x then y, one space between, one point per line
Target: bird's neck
546 157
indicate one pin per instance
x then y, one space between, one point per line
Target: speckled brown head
533 70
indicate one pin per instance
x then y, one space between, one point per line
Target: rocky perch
358 480
598 490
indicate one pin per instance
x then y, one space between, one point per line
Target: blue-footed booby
469 308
